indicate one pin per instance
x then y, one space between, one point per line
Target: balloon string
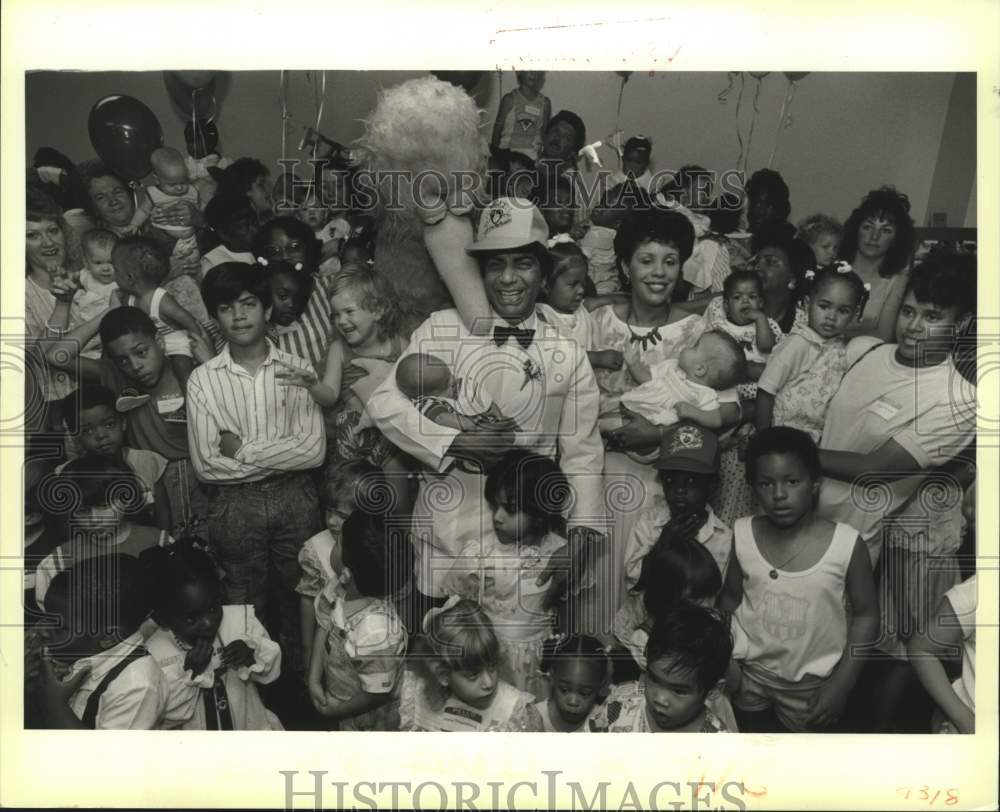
284 116
723 97
753 121
739 135
781 121
618 116
319 110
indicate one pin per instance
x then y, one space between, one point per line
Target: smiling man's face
512 280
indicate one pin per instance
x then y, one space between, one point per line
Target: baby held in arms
691 387
427 381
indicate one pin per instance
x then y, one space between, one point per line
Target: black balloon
124 133
193 93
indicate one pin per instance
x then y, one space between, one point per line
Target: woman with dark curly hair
878 242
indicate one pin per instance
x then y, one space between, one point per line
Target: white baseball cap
508 223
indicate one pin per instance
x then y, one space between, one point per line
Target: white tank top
796 624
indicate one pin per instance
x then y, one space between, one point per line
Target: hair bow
810 274
437 610
559 239
262 261
298 266
843 266
868 287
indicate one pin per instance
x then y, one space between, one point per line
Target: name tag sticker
885 408
169 404
532 110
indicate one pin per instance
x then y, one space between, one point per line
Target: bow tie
523 336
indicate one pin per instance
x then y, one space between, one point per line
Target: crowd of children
686 483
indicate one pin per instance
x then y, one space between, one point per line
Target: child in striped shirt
257 440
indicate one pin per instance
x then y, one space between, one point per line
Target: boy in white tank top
787 580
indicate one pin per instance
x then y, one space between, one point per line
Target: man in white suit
540 381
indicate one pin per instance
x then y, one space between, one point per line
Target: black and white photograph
503 400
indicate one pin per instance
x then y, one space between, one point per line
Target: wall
850 132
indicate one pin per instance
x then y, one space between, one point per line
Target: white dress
217 699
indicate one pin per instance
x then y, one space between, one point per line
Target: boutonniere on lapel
531 372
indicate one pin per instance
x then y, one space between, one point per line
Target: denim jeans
257 530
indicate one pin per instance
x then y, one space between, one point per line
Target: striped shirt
308 336
281 427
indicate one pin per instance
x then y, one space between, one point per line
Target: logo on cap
499 215
687 438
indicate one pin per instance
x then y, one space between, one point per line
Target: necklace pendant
774 574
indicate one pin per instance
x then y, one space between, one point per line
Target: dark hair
638 143
782 440
305 281
770 183
574 121
835 273
675 570
362 243
946 280
534 484
724 215
736 277
561 649
560 254
239 176
697 639
143 257
296 230
894 206
654 225
225 209
125 320
102 593
226 282
167 570
379 559
87 396
95 480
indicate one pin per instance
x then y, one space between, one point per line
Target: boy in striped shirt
256 441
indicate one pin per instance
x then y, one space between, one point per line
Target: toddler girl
212 656
527 495
578 669
954 625
805 369
355 484
140 270
523 116
739 313
564 289
290 293
357 653
453 684
171 185
233 220
365 318
788 578
823 235
105 495
687 658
